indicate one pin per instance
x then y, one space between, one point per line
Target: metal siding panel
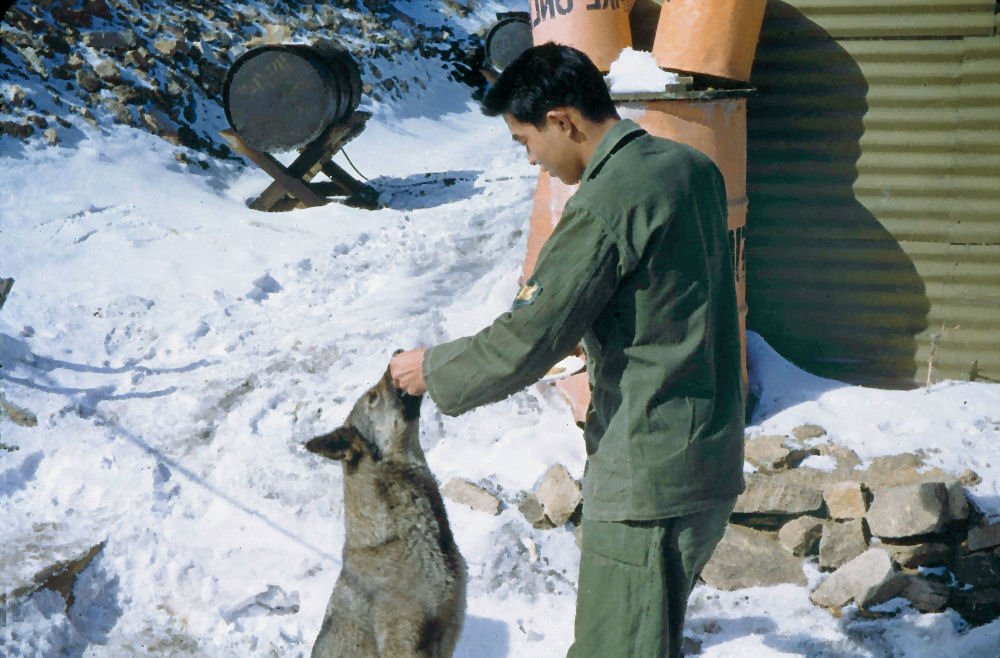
874 185
890 18
977 156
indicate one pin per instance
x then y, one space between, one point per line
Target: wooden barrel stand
292 187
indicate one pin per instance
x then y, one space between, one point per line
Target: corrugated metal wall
874 186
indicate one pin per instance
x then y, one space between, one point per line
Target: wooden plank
348 183
5 286
311 159
290 184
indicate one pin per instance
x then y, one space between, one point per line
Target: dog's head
383 423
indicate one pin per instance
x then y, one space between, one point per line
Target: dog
401 591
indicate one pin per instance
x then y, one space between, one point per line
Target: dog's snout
411 404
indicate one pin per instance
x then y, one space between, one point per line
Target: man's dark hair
545 77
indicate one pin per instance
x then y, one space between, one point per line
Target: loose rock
893 470
110 42
800 536
764 496
74 62
35 62
867 580
908 510
466 493
19 130
158 122
118 110
958 504
969 478
977 606
107 71
841 543
167 47
913 556
769 453
17 96
750 558
51 136
983 537
805 432
88 80
559 494
534 513
925 595
135 59
981 570
845 500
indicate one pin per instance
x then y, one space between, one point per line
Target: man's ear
561 119
343 444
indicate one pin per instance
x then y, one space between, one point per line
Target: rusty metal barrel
598 28
281 97
508 38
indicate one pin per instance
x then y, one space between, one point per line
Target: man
639 268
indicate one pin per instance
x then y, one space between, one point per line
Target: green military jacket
639 268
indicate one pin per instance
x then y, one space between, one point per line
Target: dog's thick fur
401 591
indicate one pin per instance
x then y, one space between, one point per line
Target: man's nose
531 157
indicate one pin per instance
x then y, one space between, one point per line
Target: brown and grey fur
401 591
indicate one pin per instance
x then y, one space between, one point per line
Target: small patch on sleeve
528 294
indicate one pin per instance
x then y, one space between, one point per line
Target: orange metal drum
551 195
599 28
715 37
717 128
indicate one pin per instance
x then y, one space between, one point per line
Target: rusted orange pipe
715 37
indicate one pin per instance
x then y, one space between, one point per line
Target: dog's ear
343 444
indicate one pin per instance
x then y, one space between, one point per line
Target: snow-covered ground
178 349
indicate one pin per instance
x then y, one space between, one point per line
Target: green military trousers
635 578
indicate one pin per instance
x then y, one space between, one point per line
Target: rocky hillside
160 66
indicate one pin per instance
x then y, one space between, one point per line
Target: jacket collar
623 132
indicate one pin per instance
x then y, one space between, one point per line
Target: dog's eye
372 397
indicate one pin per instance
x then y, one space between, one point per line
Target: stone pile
160 66
893 529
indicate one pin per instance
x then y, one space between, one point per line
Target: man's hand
407 370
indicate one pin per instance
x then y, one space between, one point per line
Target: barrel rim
505 19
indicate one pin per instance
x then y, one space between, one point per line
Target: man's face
549 146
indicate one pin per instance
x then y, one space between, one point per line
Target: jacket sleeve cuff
439 386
